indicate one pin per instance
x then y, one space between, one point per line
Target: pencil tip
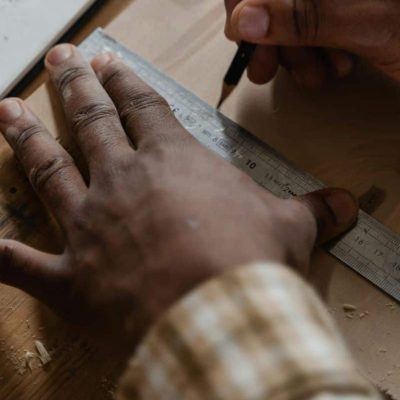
226 91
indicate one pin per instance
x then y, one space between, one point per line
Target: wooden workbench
347 136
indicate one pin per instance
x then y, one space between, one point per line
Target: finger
50 169
334 210
264 65
306 65
230 6
146 116
88 109
30 270
321 23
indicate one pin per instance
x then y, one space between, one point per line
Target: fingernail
59 54
253 22
343 205
100 61
10 110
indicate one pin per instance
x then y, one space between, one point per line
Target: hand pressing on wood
159 214
317 40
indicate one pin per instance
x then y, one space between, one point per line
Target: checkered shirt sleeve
259 332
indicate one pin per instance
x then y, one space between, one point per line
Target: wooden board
347 136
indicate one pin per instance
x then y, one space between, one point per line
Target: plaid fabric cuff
259 332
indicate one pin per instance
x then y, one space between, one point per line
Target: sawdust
22 363
108 387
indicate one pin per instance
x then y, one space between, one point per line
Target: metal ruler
369 248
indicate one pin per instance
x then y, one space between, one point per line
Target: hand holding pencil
293 35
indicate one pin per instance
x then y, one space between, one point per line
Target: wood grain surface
347 135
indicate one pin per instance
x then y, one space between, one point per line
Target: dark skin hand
157 218
317 41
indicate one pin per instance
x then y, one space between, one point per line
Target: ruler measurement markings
374 258
370 227
369 230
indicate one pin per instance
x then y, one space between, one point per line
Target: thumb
353 26
334 210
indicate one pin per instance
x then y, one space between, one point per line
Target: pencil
236 70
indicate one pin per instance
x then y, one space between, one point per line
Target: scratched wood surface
347 136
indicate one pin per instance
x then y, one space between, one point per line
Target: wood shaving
391 306
26 362
349 307
382 350
28 358
44 355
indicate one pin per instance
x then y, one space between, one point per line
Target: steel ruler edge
369 248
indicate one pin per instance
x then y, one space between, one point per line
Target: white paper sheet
27 29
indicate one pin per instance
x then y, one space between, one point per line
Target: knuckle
320 215
139 102
90 114
41 175
296 214
290 214
306 19
136 98
69 76
112 74
297 231
24 135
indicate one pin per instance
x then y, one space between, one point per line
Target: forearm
257 333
